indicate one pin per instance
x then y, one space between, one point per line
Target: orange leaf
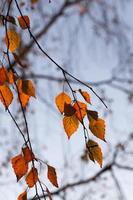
60 101
12 40
20 166
52 175
95 153
28 154
22 196
81 109
11 77
3 75
28 88
32 177
24 98
97 127
24 22
6 95
85 95
70 125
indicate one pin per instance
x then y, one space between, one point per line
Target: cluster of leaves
24 163
74 112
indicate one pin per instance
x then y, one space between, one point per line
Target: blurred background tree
93 41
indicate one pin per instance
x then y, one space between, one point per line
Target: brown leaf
28 88
6 95
3 75
85 95
92 114
28 154
22 196
32 177
70 125
81 109
69 110
20 166
95 153
12 40
60 101
97 127
24 22
52 175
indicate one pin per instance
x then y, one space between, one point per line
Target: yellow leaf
32 177
20 166
97 127
95 153
52 175
6 95
60 101
24 22
12 40
81 109
22 196
70 125
85 95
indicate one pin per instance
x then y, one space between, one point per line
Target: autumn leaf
24 22
92 114
20 166
22 196
81 109
52 175
11 77
70 125
12 40
28 154
3 75
32 177
60 101
97 127
6 95
69 110
34 1
85 95
24 98
95 153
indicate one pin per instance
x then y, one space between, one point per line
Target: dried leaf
69 110
28 154
12 40
95 153
85 95
20 166
81 109
92 114
97 127
60 101
11 19
52 175
24 22
28 88
22 196
32 177
24 98
6 95
11 77
3 75
70 125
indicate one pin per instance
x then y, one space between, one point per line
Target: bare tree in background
93 40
